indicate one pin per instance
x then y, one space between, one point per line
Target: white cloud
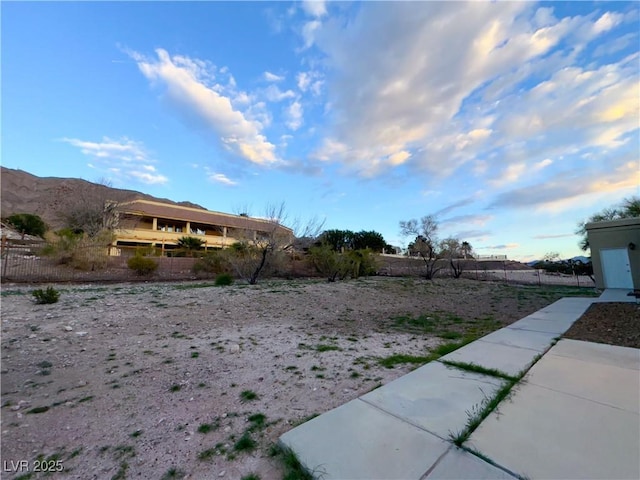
192 90
502 246
274 94
272 77
314 8
124 158
294 115
309 32
394 96
222 178
148 178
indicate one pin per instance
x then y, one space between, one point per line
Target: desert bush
362 263
50 295
213 262
223 279
327 262
142 265
334 265
77 250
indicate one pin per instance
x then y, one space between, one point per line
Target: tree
372 240
28 224
190 245
467 250
91 209
257 251
629 208
425 244
338 240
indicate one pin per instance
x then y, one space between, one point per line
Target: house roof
177 212
620 222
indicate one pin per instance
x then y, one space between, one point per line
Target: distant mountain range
22 192
579 258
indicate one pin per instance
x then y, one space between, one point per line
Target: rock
68 328
81 334
227 429
234 348
222 473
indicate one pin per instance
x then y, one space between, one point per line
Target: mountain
22 192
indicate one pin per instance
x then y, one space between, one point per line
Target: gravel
116 381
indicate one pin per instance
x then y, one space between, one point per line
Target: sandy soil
121 381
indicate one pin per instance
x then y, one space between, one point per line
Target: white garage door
616 268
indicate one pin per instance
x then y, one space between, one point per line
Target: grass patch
399 358
326 348
209 427
245 443
248 395
251 476
172 473
472 367
121 474
38 410
292 468
257 420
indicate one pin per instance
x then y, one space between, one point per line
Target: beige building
156 224
615 253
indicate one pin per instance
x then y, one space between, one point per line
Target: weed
398 358
173 472
207 454
257 421
354 374
123 451
209 427
195 354
86 399
38 410
326 348
223 280
251 476
245 443
136 434
121 474
472 367
446 348
293 469
50 295
248 395
175 388
75 453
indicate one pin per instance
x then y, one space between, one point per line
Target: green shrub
50 295
223 279
212 262
28 223
142 265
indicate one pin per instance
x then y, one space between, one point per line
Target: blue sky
510 121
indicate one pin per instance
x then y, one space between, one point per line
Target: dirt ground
610 323
179 380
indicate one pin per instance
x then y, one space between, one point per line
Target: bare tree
257 251
426 241
91 209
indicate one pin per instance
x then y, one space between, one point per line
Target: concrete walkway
579 404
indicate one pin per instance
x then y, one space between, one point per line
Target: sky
508 121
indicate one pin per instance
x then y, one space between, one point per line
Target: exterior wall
624 233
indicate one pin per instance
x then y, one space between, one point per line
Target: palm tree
190 244
467 250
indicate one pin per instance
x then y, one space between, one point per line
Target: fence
484 270
23 261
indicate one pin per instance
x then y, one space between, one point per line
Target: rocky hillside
22 192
